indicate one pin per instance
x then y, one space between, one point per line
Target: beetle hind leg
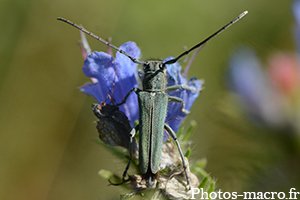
173 135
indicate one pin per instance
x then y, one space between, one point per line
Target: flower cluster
272 96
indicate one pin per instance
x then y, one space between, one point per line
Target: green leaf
197 168
188 153
106 174
203 183
190 131
201 163
180 131
211 188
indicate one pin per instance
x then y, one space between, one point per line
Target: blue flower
174 77
296 12
268 96
249 81
116 77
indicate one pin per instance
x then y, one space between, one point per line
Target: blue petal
174 77
94 90
249 82
246 77
256 95
296 11
120 72
192 95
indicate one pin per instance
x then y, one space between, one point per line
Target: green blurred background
47 126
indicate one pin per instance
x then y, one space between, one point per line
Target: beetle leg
176 87
132 134
136 90
179 100
173 135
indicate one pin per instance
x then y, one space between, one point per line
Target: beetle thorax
154 79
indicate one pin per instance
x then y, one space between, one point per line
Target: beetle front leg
179 100
132 134
176 87
136 90
173 135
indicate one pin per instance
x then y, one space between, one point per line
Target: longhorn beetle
153 101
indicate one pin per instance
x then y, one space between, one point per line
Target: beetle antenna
207 39
135 60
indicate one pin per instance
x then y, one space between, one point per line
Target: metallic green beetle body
153 103
152 110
